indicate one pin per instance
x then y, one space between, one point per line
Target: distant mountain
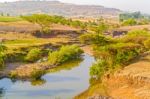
56 8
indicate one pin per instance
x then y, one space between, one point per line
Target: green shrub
116 53
13 75
33 55
2 54
129 22
2 59
99 68
65 53
97 39
138 33
147 44
136 36
114 56
123 57
101 28
36 74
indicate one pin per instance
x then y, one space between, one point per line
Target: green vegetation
136 18
115 53
2 54
114 56
137 36
92 38
65 53
129 22
101 28
43 20
56 58
134 15
98 69
147 44
9 19
33 55
36 74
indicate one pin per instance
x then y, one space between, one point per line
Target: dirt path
87 50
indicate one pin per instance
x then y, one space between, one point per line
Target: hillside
55 7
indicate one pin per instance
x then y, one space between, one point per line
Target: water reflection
63 82
38 82
67 66
2 92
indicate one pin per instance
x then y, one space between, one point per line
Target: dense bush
129 22
136 36
33 55
114 56
117 51
91 38
36 74
2 55
147 44
99 68
65 53
101 28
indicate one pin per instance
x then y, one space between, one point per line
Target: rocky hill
55 7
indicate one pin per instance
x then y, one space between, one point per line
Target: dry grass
138 27
14 36
27 43
24 26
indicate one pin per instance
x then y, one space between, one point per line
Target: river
59 84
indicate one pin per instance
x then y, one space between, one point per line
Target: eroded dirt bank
133 82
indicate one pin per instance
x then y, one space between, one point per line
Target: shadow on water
2 92
66 66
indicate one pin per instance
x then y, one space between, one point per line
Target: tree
43 20
2 14
101 28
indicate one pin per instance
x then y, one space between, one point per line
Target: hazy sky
127 5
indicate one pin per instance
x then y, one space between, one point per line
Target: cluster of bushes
136 36
2 55
112 53
93 38
132 22
129 22
55 58
135 18
65 53
34 55
114 56
45 21
135 15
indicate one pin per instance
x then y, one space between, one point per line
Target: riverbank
132 82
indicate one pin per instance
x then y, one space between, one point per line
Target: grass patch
9 19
